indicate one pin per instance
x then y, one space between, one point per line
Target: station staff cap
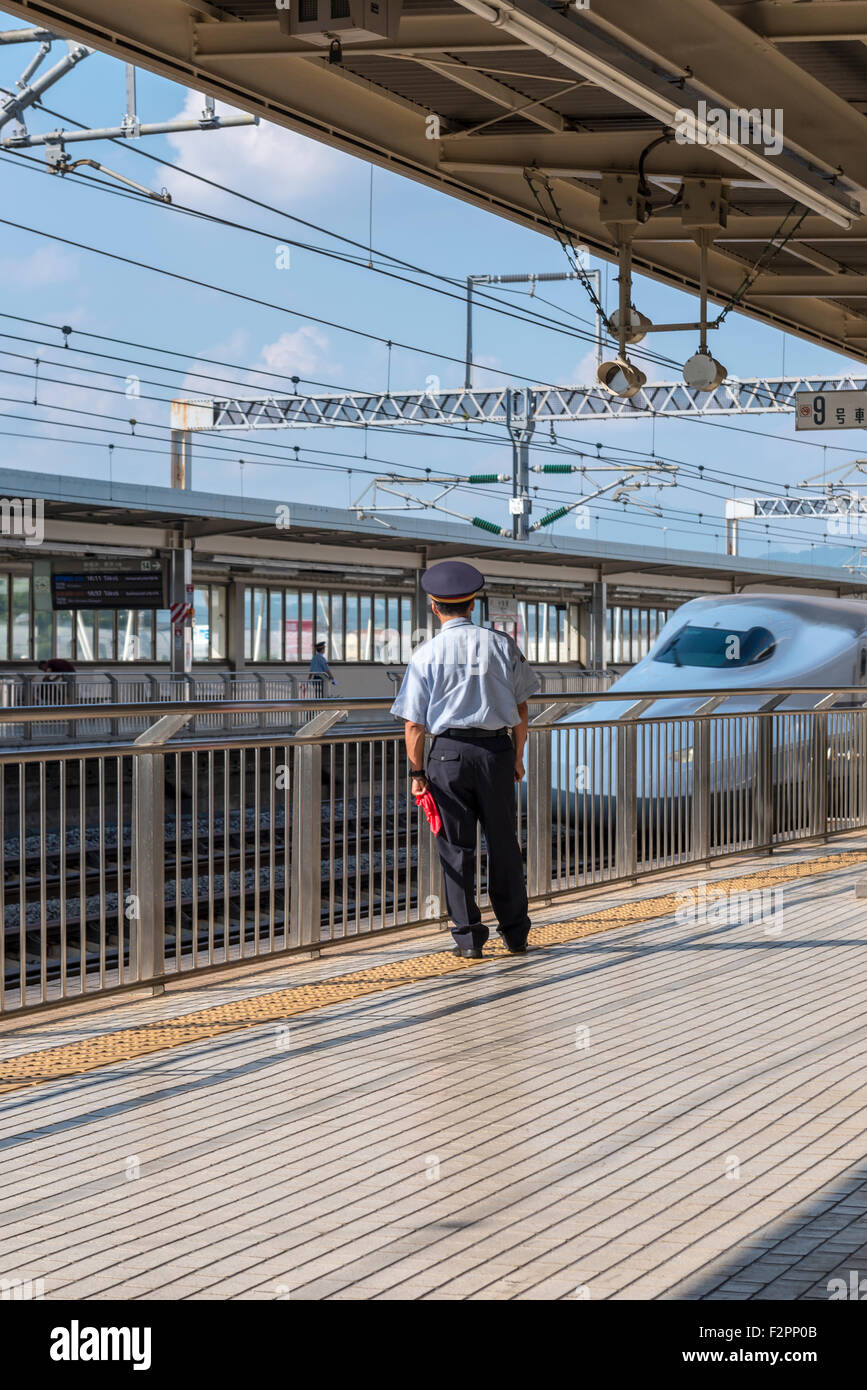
452 581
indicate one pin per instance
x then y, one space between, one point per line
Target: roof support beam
573 44
700 46
834 21
819 124
839 286
498 92
436 34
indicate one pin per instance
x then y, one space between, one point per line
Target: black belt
473 733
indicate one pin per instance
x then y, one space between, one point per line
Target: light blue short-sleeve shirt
465 677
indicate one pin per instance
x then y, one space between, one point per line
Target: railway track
225 878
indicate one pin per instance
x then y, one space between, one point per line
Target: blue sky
57 284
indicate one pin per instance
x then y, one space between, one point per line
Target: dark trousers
473 780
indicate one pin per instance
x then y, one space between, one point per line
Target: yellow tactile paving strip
127 1044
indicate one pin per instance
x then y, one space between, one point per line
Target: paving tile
449 1141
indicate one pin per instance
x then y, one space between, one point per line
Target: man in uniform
468 686
320 671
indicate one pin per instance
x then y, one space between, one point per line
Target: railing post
701 799
819 772
71 688
860 743
192 694
148 881
305 910
763 792
27 699
626 845
114 696
227 695
539 812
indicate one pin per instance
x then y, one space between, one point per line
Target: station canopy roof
213 521
535 101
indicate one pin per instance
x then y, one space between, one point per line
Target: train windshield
717 646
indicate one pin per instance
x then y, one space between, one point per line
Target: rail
127 864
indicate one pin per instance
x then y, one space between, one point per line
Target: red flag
429 806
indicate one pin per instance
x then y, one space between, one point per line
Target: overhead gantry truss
756 396
842 504
842 507
520 107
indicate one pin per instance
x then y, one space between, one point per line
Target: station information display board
108 584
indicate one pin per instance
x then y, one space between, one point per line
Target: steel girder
753 396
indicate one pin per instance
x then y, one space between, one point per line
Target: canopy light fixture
621 377
636 327
702 372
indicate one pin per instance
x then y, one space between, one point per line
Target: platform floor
665 1109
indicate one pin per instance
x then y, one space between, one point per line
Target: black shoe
516 950
467 955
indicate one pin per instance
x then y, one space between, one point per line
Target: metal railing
64 691
575 682
97 692
127 864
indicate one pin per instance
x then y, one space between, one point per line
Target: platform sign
830 410
108 584
502 610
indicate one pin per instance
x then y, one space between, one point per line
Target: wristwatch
416 772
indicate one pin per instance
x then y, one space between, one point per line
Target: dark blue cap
452 580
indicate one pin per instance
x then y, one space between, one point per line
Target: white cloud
204 379
585 372
47 265
264 160
302 352
487 373
299 353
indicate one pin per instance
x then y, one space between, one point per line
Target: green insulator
483 478
553 516
557 468
486 525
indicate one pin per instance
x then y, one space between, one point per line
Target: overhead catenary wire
638 353
363 260
645 414
386 342
540 320
689 530
706 473
486 439
389 343
566 446
230 456
259 371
